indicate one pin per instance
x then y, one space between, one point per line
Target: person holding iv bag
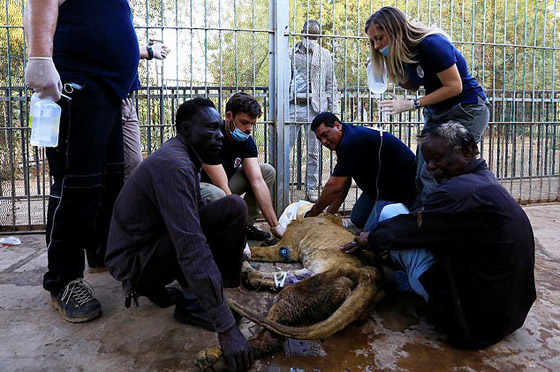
416 55
377 84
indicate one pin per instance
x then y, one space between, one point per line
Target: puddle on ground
348 350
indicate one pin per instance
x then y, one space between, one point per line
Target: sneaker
76 303
255 234
312 195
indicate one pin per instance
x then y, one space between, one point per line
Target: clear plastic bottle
44 119
377 83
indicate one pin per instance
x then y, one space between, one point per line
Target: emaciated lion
335 290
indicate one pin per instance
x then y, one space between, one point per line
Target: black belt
302 101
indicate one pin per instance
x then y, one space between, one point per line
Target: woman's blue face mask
385 50
237 134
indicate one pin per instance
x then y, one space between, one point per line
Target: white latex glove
397 105
277 230
160 51
247 253
41 76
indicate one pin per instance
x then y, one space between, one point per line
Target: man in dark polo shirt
382 166
88 48
161 231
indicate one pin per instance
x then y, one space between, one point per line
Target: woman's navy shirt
436 54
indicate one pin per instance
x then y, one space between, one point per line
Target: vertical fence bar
278 84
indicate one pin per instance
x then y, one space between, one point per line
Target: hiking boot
255 234
312 195
76 303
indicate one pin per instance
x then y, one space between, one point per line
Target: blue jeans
414 261
366 211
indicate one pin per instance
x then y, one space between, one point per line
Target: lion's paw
210 359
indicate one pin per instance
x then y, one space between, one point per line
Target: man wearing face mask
236 170
313 89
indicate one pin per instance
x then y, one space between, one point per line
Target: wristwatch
416 103
150 53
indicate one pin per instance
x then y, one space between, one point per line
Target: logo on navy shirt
237 163
420 72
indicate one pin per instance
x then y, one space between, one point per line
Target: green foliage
12 47
12 51
237 55
507 44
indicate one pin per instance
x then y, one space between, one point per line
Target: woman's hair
404 38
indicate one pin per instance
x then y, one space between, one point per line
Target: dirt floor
395 337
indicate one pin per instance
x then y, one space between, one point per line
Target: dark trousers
223 223
87 167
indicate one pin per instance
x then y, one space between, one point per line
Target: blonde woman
415 56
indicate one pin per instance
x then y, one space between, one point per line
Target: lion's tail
360 299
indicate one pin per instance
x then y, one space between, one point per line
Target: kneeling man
469 251
161 232
382 166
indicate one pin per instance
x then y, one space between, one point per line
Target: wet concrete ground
394 338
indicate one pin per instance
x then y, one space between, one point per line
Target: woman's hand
396 105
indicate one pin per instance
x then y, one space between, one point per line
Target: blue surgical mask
385 50
237 134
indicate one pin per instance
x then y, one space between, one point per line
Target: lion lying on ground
334 289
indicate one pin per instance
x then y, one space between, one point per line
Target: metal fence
223 46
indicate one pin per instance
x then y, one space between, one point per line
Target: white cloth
294 211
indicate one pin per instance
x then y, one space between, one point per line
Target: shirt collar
475 165
193 155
